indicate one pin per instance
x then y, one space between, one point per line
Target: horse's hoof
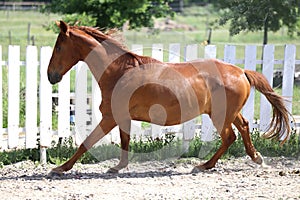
57 171
112 171
197 169
259 159
54 173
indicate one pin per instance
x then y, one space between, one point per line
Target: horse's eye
58 48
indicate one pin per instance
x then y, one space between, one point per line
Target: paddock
237 178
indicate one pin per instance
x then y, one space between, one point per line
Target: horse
135 87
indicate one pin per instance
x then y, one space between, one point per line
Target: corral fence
78 110
28 5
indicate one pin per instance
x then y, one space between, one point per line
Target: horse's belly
162 106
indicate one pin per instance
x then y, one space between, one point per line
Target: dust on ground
236 178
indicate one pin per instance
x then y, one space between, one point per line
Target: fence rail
39 96
7 5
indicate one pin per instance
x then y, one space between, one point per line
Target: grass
155 149
14 29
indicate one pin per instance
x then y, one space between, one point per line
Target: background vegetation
112 13
262 15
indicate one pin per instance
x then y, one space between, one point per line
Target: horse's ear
64 27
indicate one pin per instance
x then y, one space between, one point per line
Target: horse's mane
111 38
107 38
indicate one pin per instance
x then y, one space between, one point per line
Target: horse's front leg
125 138
99 132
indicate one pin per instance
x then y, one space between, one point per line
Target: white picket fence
38 89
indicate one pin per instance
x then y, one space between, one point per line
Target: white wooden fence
39 95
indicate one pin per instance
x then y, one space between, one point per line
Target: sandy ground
237 178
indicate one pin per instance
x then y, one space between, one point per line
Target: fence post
191 52
189 129
157 53
207 127
174 52
80 102
63 124
31 96
288 75
136 126
229 54
174 56
13 95
45 92
250 64
265 106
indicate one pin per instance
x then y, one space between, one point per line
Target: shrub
155 149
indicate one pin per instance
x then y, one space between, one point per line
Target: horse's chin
54 78
54 82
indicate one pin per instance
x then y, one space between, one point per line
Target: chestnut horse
135 87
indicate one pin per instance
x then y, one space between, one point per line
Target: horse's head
64 56
86 44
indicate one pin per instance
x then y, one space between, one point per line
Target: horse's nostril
54 77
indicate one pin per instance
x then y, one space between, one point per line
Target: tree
113 13
255 15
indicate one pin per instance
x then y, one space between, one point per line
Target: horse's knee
241 123
244 124
228 138
231 138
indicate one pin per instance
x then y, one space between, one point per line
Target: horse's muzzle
54 77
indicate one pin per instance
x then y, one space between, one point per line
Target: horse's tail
280 124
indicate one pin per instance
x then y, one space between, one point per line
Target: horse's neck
107 67
96 65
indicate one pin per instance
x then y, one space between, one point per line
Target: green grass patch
14 30
155 149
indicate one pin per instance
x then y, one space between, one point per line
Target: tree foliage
256 15
113 13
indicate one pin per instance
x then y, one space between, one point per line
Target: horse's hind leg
125 138
228 137
243 126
